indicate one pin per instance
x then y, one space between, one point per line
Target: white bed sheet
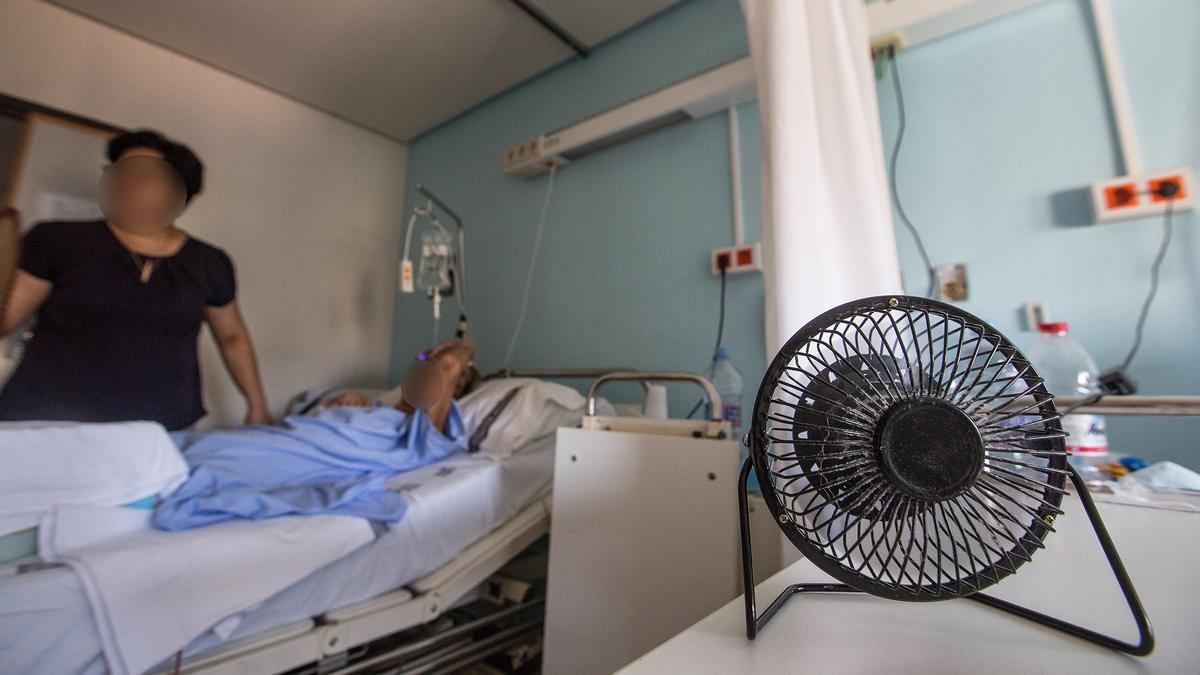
46 624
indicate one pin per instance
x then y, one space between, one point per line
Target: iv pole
461 281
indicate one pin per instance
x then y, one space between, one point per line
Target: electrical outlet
531 157
406 276
1158 194
737 259
1137 195
522 151
1121 196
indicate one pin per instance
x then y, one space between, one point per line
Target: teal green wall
1007 124
623 276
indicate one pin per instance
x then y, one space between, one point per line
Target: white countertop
1070 579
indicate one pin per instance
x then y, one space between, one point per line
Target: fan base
755 623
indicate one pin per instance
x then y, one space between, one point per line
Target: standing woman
120 301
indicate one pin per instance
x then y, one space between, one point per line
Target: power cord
721 319
720 333
537 245
901 127
1167 190
1116 380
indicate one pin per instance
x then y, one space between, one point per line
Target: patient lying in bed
336 462
439 376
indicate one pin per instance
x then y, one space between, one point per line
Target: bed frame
328 642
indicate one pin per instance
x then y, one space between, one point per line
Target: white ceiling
399 67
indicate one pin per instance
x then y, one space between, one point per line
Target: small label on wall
952 282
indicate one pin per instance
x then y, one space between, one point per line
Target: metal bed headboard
551 373
602 376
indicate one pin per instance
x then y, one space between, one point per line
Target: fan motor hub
929 449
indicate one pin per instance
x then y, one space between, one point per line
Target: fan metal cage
908 449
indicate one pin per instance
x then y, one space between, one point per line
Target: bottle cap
1053 327
721 353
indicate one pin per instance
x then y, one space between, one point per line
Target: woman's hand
233 339
258 415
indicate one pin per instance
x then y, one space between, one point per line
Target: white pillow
504 415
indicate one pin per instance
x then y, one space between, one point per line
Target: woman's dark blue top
107 347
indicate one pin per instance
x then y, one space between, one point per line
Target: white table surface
854 633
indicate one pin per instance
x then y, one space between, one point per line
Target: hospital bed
451 540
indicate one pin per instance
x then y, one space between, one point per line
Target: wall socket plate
1133 196
744 258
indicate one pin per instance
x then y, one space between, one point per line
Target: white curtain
826 220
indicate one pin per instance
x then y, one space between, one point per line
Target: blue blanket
337 462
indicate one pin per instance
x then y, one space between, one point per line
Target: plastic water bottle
728 380
1070 371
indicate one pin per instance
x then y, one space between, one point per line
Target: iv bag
433 275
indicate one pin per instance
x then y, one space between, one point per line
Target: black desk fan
910 451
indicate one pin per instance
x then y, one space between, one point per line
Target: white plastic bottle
1070 371
728 380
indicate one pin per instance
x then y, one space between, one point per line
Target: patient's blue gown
337 462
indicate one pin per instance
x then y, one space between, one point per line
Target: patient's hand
352 399
430 382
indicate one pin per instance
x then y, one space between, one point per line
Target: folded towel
48 463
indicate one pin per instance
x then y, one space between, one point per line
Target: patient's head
466 382
446 370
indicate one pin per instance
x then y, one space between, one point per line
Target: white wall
308 206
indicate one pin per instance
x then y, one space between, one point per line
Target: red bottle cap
1054 327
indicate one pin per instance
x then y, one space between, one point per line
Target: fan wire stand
755 623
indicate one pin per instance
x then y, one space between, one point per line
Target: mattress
46 624
22 544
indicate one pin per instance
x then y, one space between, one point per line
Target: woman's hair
179 156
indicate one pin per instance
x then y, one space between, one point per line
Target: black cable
721 320
1158 260
1090 400
901 126
1167 191
720 336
